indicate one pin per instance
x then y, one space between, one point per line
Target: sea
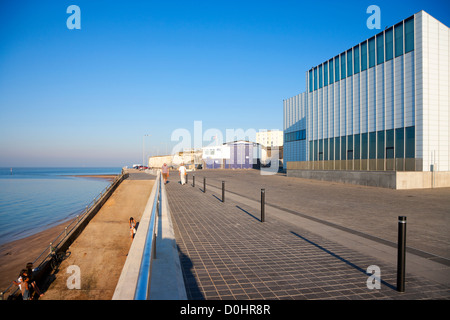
35 199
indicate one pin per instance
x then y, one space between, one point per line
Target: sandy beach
16 254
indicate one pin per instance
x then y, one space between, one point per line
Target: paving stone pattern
226 253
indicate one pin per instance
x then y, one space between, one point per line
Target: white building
382 105
270 138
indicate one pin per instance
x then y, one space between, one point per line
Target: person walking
165 172
183 173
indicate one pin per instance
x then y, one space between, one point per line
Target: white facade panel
349 105
364 105
356 104
371 85
379 97
399 105
389 95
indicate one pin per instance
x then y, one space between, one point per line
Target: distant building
270 138
232 155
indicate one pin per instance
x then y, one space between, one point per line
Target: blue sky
87 97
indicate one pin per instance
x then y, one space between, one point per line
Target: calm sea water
34 199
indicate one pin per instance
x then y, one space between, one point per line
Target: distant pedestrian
132 227
183 173
22 283
165 172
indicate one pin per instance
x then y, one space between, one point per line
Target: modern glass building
381 105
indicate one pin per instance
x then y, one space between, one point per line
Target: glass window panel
320 76
343 149
371 52
398 30
320 149
380 145
349 63
357 148
372 145
380 48
343 73
331 72
325 149
315 78
364 146
350 148
399 142
325 74
356 59
363 56
331 148
409 35
310 80
410 142
311 151
337 149
316 150
336 69
389 42
390 144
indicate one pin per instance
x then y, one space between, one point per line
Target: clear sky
87 97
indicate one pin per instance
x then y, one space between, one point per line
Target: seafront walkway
317 241
101 249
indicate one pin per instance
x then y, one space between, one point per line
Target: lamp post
143 143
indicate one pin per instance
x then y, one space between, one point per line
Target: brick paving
226 253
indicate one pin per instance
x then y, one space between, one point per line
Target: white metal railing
149 253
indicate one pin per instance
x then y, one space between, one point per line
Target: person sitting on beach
32 281
132 227
22 282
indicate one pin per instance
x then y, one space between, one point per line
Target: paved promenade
317 241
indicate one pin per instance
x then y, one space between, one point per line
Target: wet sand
16 254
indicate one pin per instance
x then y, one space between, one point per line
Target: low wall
383 179
421 180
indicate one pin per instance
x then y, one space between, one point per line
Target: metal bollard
263 202
401 255
204 184
223 191
193 181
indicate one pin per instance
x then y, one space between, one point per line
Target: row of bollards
263 196
401 245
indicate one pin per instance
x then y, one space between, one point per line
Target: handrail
75 222
149 253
